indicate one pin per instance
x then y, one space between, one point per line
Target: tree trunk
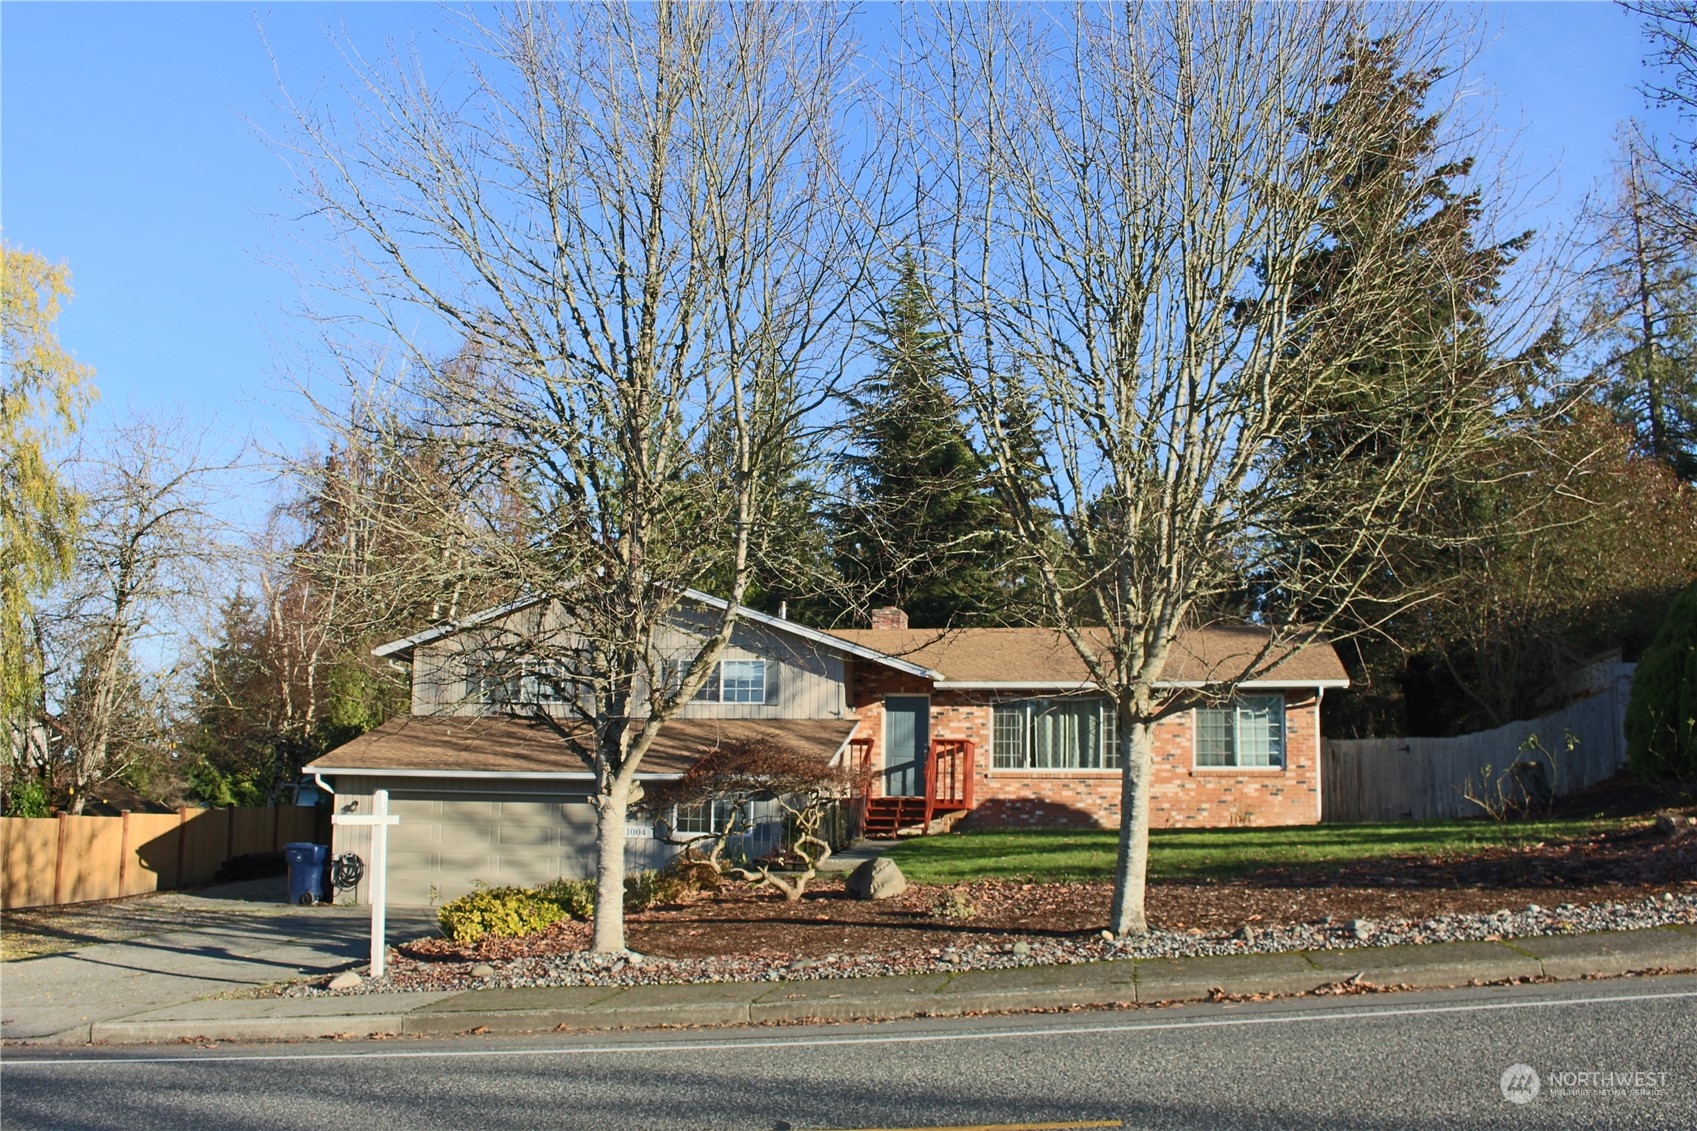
1659 446
611 808
1137 768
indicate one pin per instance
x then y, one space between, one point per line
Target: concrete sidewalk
1124 982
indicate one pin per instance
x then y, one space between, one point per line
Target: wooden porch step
887 816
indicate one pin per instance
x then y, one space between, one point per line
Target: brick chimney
889 617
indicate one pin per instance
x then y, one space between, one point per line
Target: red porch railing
949 776
860 782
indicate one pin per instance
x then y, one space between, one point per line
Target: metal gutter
510 775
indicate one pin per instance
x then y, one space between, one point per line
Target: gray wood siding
455 832
438 680
803 680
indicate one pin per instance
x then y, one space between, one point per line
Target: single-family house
988 726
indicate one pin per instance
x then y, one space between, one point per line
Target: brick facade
1184 795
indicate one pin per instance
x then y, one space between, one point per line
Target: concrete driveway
177 947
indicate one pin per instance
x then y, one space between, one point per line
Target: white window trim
713 689
712 819
719 680
481 681
1284 741
1046 771
532 685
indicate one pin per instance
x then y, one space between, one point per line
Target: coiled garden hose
346 871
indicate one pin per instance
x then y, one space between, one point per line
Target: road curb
1100 984
133 1032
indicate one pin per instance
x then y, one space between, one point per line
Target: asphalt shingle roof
1031 655
507 744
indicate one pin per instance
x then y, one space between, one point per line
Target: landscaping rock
346 980
582 969
1245 934
483 970
876 879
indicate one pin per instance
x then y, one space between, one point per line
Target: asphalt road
1618 1053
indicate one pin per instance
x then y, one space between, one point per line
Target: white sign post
379 822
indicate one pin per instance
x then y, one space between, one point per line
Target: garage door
446 842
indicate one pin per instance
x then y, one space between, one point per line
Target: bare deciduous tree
621 231
145 551
1671 28
1123 207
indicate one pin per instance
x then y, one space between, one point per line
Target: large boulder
878 878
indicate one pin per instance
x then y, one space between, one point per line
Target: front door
907 735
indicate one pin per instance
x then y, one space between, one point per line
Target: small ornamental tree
1661 718
736 775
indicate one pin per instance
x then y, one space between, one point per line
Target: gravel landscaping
570 965
1626 876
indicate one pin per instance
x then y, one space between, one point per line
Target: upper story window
1248 731
732 681
1055 734
545 685
495 687
742 681
534 684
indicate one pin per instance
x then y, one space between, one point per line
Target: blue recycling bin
306 871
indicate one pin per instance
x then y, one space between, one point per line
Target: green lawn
1198 854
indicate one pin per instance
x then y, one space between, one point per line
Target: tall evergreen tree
1643 316
918 528
1396 204
235 728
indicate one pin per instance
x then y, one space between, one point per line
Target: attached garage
447 841
487 800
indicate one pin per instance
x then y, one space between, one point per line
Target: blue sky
130 148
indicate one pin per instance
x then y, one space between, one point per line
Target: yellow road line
1004 1126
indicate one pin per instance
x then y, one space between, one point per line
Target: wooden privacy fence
1421 779
68 859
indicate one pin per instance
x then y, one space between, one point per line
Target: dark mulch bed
1620 796
1620 866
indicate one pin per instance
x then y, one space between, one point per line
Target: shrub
643 890
1661 717
503 912
575 897
953 904
677 879
29 799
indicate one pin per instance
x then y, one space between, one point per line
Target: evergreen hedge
1661 717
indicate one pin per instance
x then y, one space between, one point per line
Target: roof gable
402 648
